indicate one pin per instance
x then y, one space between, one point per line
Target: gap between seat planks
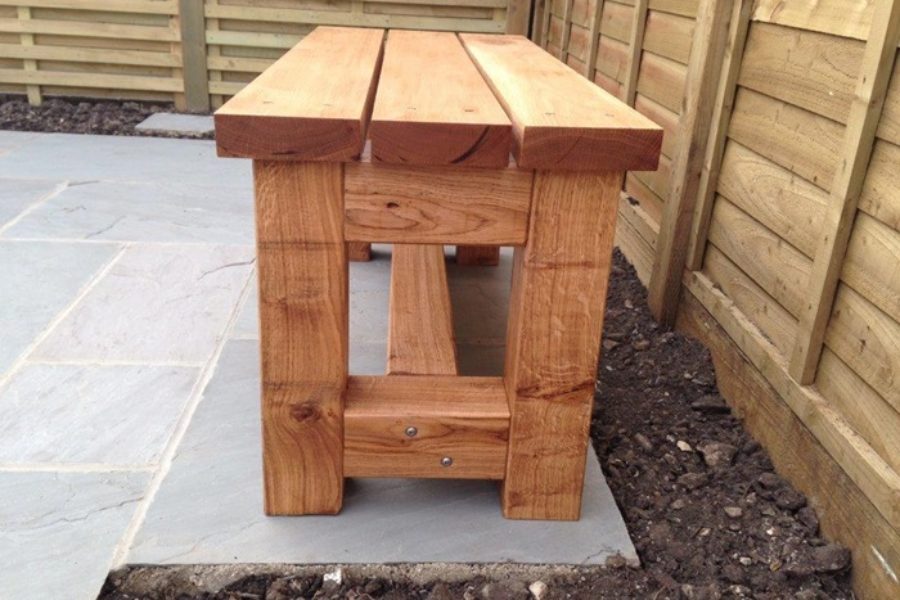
359 137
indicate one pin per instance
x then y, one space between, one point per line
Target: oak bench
422 139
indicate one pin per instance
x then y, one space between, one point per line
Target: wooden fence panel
197 52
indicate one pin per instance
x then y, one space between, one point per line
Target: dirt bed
708 515
58 115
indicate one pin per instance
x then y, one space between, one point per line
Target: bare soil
708 515
65 115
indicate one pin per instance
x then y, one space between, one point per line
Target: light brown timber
420 327
434 108
859 137
556 317
698 108
436 205
463 418
561 120
478 256
302 266
312 104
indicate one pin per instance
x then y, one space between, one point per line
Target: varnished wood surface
312 104
420 326
434 108
465 419
556 317
435 205
302 265
561 120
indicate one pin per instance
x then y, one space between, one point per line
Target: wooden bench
359 136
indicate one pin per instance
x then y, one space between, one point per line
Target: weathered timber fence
196 53
772 229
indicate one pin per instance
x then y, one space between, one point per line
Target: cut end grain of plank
312 104
560 119
434 108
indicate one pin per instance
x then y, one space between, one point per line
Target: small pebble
735 512
678 504
684 446
644 442
746 561
538 589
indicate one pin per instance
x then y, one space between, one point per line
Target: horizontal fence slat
87 29
90 55
91 80
160 7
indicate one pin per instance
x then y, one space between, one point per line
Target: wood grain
868 341
669 35
302 266
811 70
783 271
359 251
433 107
790 206
800 141
556 317
436 205
837 223
871 265
420 329
561 120
313 104
880 195
463 418
700 89
662 80
478 256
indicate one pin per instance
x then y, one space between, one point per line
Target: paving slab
177 123
156 304
82 158
58 531
209 507
142 212
119 415
18 194
39 281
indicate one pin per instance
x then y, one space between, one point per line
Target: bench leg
556 317
303 313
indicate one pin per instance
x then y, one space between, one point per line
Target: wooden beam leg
359 251
556 317
478 256
420 336
303 313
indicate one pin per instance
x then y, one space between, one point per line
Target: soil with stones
708 515
59 115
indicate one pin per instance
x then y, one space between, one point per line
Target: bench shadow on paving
209 507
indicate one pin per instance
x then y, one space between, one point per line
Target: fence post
687 163
193 55
27 39
518 13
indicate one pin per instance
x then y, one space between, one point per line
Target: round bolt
411 431
446 461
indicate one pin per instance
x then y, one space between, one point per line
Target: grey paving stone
122 158
58 531
177 123
209 507
115 415
40 279
157 304
142 212
18 194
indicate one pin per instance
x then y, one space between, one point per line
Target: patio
129 427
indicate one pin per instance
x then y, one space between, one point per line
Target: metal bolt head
411 431
446 461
